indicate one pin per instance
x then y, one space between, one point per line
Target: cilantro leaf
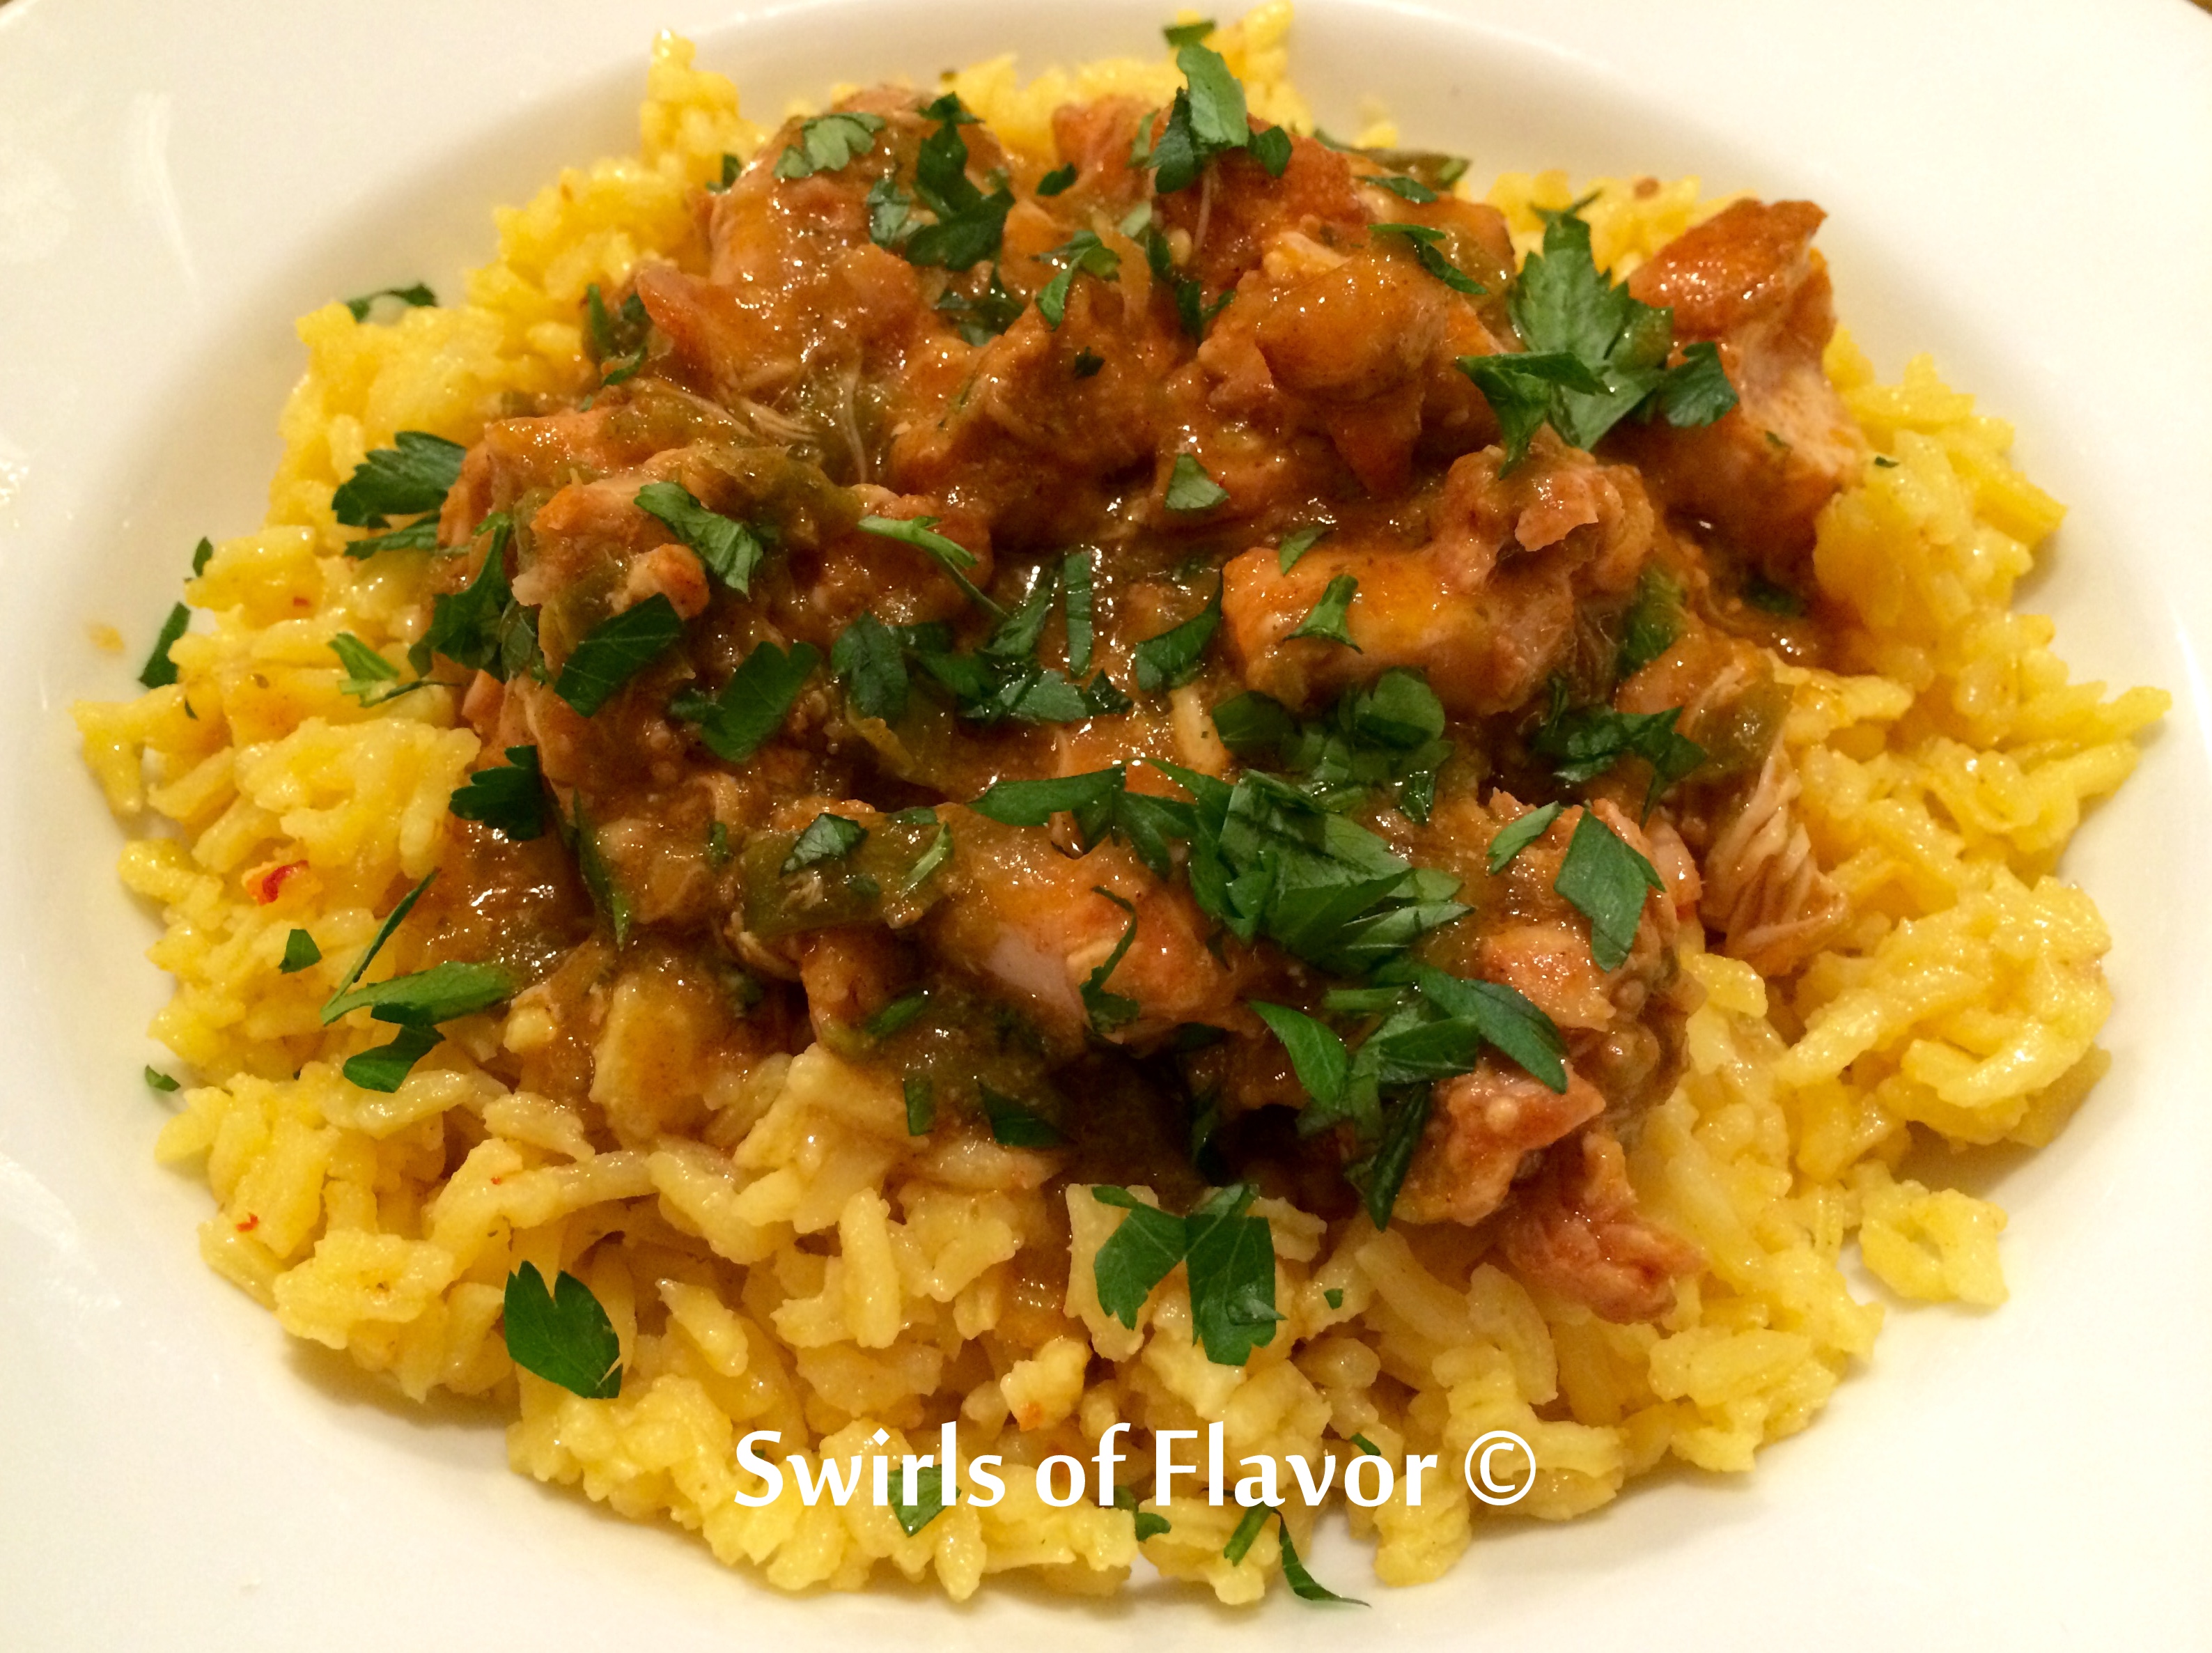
1208 118
950 553
1191 489
1271 147
970 225
300 952
616 650
385 1067
1298 542
1076 607
1014 1125
929 1499
1034 803
157 1080
1108 1010
827 143
1328 621
1423 239
1696 390
1082 253
1171 657
1606 880
508 798
563 1335
418 296
868 658
731 549
982 318
827 837
1058 181
753 704
1517 835
1141 1252
412 476
159 671
1230 1258
890 214
1087 363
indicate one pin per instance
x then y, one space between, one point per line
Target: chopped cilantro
827 838
159 671
417 296
1606 880
616 650
370 678
1172 657
1108 1010
1652 622
509 797
869 660
950 553
890 214
981 320
1196 316
1424 241
482 626
1082 253
300 953
731 168
827 143
1271 147
1317 1057
158 1081
1333 1297
412 476
1013 1125
563 1335
1207 118
1328 619
1191 489
1583 742
392 922
439 994
1057 181
420 535
1517 835
1366 1446
731 549
970 225
753 704
1298 542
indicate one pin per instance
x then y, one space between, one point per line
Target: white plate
2026 190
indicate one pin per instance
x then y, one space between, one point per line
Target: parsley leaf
417 296
1183 35
1207 118
827 143
425 998
1016 1126
890 214
1034 803
1424 241
1082 252
616 650
1087 363
827 837
982 318
1191 489
869 660
898 1013
1506 1019
1765 594
731 168
1652 622
412 476
482 626
732 550
1583 742
929 1499
1231 1259
371 679
1298 542
1303 1585
392 922
300 952
1406 189
563 1335
608 895
157 1080
753 704
970 225
1141 1252
385 1067
1517 835
159 671
201 552
1058 181
950 553
1380 1176
618 340
1171 657
1249 1526
921 1105
1317 1055
508 798
1076 607
1108 1010
1328 621
1606 880
1148 1524
1521 390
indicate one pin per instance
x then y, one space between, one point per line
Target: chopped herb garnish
1318 1057
300 953
385 1068
1583 742
1518 833
1595 354
159 671
718 846
1298 542
1327 620
731 549
370 678
971 224
1249 1526
1183 35
731 168
392 922
753 704
981 318
1207 118
509 797
827 838
1057 181
482 626
1425 240
1231 1264
201 552
441 993
1884 462
410 477
1765 594
618 340
418 296
1606 881
1087 363
1303 1585
921 1105
950 553
563 1335
898 1013
616 650
1652 622
938 852
1149 1525
1191 489
1172 657
1083 252
157 1080
928 1496
1380 1176
1333 1297
609 898
1406 189
1014 1125
1108 1010
870 660
827 143
1075 583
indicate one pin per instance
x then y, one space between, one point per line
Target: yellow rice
811 1285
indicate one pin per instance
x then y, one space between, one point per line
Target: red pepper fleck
252 1221
271 885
